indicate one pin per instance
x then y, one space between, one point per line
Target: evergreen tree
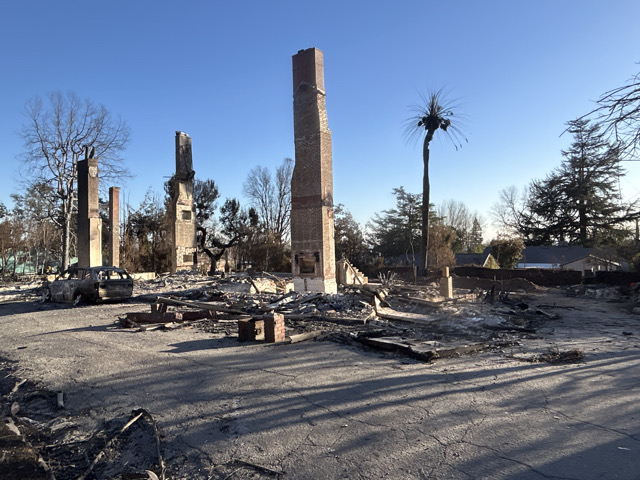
466 224
578 203
507 250
441 240
146 236
475 237
398 231
349 237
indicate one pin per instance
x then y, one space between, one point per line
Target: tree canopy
507 250
349 237
466 224
214 238
396 232
269 196
55 137
577 203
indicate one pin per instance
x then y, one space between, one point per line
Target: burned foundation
89 222
183 226
312 224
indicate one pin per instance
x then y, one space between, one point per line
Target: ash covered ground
230 401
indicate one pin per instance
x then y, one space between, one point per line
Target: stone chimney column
89 222
183 225
312 224
114 226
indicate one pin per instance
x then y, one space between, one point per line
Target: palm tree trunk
425 208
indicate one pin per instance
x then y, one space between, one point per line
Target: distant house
567 258
484 259
594 263
28 262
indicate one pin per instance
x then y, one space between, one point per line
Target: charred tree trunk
220 246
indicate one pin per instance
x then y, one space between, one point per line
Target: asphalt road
325 410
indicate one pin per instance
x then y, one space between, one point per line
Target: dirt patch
557 357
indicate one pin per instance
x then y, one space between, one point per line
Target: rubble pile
394 312
22 291
40 440
596 291
395 317
409 319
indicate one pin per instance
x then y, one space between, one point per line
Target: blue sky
221 71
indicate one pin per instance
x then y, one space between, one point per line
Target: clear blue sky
221 71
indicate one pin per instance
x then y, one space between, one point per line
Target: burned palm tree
433 114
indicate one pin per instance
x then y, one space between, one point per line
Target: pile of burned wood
227 307
413 320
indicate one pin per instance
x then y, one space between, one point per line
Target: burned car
91 285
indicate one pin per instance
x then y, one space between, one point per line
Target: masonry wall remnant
250 330
446 284
89 221
183 225
114 226
347 274
274 330
312 223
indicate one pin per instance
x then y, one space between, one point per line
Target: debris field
42 438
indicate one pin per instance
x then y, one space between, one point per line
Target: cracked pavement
328 410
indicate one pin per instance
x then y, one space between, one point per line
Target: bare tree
283 188
618 112
55 137
509 212
455 214
433 114
271 198
467 225
40 233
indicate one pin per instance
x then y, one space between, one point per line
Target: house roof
471 259
553 254
595 259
